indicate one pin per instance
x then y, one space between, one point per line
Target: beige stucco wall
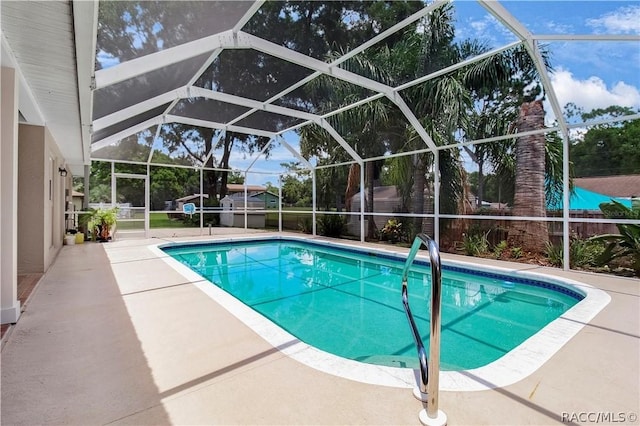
9 95
40 199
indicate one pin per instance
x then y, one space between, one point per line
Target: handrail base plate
439 420
419 395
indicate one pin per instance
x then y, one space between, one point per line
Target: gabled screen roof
267 69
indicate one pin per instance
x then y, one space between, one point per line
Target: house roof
239 187
267 192
45 43
192 197
583 199
616 186
382 193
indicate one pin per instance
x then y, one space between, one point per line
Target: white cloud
625 20
487 28
592 92
558 28
479 26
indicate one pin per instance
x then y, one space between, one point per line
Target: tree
607 149
529 197
440 105
495 189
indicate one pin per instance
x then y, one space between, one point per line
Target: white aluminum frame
85 14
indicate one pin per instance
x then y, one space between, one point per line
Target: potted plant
70 237
83 225
102 223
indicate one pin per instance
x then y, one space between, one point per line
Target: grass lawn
156 220
161 220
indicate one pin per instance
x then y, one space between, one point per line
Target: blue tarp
583 199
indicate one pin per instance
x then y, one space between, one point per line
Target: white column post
279 203
314 206
9 303
362 167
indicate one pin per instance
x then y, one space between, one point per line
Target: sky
589 74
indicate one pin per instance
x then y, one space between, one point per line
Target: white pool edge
519 363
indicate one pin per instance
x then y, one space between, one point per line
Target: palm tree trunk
353 184
369 172
480 184
224 163
419 182
529 197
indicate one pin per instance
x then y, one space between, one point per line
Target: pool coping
514 366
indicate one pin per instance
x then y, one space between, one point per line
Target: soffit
41 38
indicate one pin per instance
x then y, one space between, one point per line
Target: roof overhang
42 43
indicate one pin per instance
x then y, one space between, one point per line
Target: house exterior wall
9 303
41 199
270 200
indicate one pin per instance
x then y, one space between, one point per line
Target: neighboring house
385 200
257 196
194 198
253 201
585 200
589 192
77 198
623 186
238 188
270 199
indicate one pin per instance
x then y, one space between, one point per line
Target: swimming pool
347 302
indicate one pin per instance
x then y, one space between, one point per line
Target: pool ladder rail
429 367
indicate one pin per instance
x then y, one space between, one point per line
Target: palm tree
532 162
529 198
440 104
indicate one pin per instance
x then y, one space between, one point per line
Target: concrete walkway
122 338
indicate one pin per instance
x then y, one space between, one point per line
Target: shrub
475 244
581 253
516 252
305 224
584 252
627 242
392 231
191 220
331 225
555 254
500 248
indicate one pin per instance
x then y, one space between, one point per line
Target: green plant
83 222
516 252
102 223
331 225
584 252
475 244
581 252
500 248
305 224
627 242
554 253
190 220
392 231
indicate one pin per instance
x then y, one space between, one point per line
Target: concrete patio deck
113 335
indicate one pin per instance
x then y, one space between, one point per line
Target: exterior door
131 195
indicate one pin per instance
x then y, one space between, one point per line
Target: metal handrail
429 368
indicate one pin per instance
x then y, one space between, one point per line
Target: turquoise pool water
348 302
